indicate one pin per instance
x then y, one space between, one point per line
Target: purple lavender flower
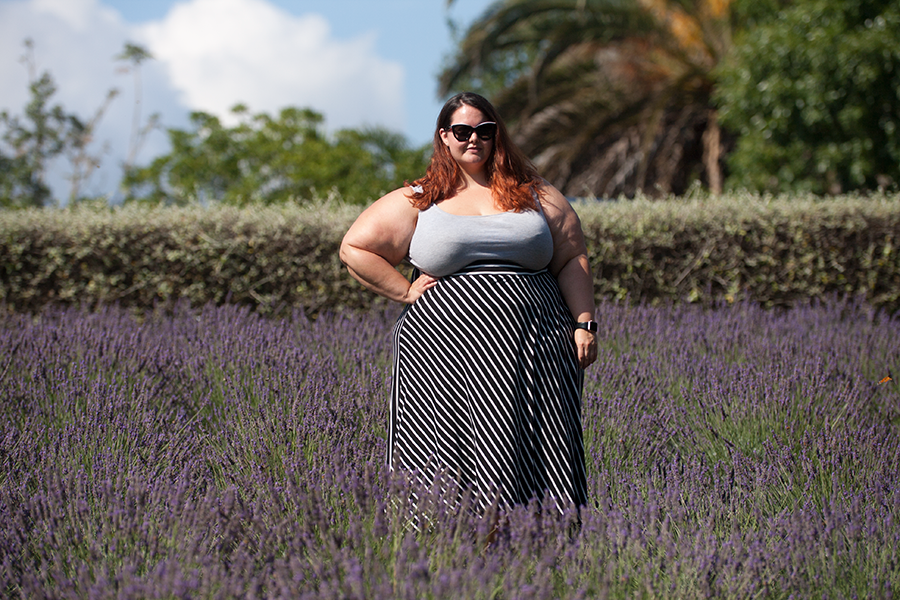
212 452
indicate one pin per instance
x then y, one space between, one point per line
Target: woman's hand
586 345
418 287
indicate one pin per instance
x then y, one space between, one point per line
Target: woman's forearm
577 286
375 273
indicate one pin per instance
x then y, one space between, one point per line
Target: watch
591 326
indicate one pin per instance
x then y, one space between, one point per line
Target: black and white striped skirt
487 388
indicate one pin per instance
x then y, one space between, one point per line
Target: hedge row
775 251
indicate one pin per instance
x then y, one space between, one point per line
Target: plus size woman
490 350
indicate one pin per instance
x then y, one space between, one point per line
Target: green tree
77 149
134 55
608 97
33 141
269 159
813 93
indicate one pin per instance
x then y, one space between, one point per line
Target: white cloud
60 30
221 52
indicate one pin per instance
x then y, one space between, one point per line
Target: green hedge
273 257
775 251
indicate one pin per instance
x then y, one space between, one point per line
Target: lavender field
213 453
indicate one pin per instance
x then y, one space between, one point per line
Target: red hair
513 179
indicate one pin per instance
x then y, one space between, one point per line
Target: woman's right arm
378 241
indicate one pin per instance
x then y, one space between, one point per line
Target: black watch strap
591 326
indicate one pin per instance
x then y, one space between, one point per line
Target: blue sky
358 62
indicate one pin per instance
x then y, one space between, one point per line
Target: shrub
775 251
772 250
138 256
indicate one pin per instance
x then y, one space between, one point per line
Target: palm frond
616 95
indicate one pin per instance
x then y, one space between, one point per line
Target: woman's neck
476 178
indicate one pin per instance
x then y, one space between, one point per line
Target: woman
489 352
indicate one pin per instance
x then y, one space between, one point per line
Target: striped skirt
487 389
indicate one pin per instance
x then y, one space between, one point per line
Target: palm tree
608 97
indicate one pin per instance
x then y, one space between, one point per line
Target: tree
270 159
135 55
33 141
608 97
44 133
813 94
77 148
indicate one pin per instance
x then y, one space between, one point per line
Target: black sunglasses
485 131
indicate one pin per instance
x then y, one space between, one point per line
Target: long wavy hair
513 178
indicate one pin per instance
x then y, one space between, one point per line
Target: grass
210 452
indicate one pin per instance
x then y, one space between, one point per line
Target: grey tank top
444 243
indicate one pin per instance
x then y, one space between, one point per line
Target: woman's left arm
570 267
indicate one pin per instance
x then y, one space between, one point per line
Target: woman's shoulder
552 200
386 225
399 199
393 210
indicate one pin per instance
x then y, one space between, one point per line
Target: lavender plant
214 453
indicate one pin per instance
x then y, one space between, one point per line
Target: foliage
47 132
775 251
266 159
608 97
261 159
33 144
813 93
135 55
209 452
274 257
35 140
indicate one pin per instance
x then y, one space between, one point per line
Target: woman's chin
475 158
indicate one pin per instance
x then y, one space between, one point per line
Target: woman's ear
444 134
